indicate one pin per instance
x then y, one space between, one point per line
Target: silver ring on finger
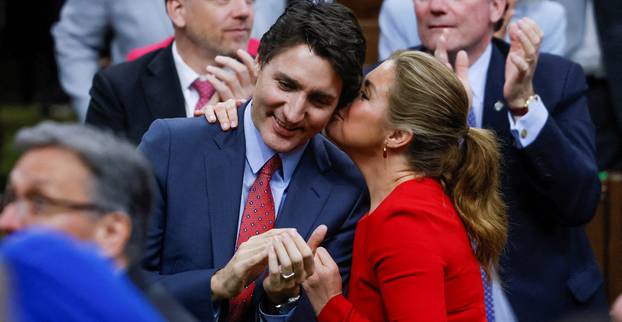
288 276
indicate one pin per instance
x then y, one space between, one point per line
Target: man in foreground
217 189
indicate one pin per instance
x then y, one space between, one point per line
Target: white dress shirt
186 77
398 25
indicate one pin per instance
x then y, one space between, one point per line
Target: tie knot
271 166
204 88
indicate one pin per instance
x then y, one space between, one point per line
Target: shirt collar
477 74
186 75
258 153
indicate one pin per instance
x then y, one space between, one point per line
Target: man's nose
242 9
294 112
438 6
10 220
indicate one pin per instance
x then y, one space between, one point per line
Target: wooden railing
367 14
605 233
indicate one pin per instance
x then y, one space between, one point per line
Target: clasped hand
288 258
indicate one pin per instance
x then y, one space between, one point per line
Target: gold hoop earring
384 152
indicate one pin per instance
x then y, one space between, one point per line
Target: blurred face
43 182
219 26
295 95
362 127
469 24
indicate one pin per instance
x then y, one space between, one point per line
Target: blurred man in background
206 62
89 185
536 104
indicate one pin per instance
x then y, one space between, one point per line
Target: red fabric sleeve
409 270
339 309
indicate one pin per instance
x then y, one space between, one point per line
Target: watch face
532 99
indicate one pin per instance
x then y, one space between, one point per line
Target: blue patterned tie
471 118
488 303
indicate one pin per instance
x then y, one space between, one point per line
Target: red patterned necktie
206 91
257 218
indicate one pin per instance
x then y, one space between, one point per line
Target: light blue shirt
398 25
257 154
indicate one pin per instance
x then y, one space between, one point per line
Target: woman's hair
429 100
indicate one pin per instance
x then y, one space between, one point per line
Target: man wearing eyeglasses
90 185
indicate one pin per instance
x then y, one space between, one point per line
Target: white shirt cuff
526 128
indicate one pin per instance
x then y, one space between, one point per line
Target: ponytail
428 99
474 188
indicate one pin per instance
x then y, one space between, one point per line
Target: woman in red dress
436 215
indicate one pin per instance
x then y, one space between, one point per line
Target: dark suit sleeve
105 108
562 159
191 288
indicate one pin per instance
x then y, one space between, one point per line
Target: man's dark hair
121 177
330 30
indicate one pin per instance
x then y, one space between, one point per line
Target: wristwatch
525 108
284 308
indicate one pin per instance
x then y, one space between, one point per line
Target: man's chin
281 145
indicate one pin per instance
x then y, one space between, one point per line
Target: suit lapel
224 165
308 190
163 94
495 107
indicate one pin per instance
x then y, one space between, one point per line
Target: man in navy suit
536 105
274 171
175 81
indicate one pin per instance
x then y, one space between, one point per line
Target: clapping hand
525 40
460 66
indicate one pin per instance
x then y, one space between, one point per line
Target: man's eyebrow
322 96
284 77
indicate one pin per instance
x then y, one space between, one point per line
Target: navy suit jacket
199 171
551 189
128 97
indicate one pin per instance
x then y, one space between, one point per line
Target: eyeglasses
39 204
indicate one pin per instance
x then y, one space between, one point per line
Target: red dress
412 261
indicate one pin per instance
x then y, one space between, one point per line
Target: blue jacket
199 170
551 188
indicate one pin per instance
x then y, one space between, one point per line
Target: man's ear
399 139
176 10
112 233
497 10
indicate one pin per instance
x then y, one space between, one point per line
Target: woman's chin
332 132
